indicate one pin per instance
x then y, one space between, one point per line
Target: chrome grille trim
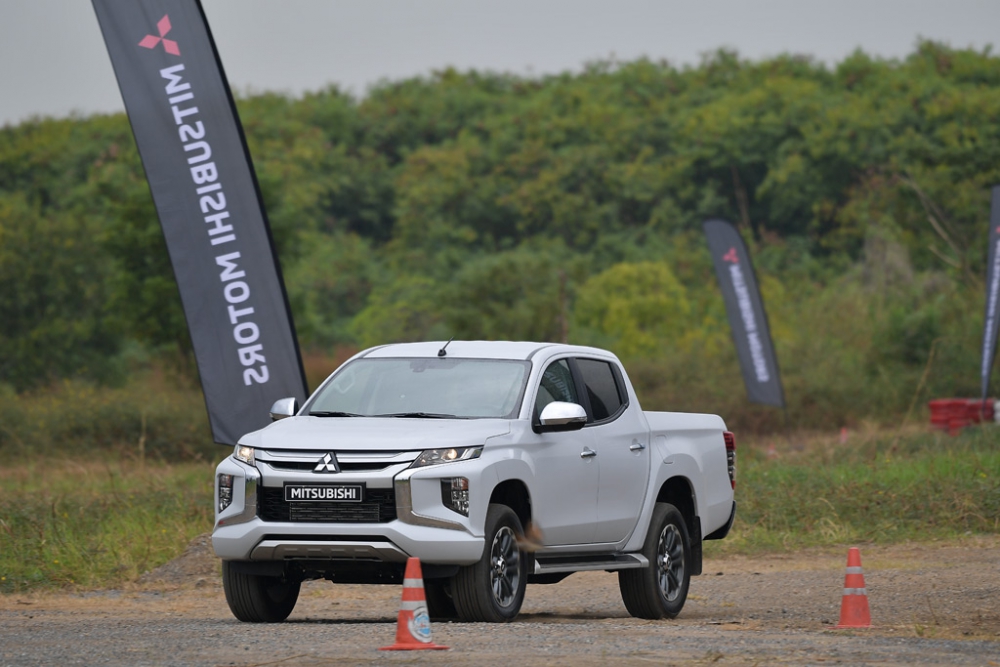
305 460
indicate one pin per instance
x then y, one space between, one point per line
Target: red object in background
979 411
954 414
941 410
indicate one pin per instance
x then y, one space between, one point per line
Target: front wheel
440 605
660 590
255 598
492 590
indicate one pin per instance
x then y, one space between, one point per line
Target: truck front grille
379 506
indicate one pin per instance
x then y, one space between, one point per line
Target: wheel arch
679 492
514 494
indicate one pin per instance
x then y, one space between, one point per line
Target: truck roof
478 349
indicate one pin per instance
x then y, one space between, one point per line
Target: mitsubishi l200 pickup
497 464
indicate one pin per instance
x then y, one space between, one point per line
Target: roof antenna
441 352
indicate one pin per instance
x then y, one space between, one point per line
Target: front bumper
422 526
387 542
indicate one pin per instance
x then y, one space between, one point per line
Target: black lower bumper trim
722 532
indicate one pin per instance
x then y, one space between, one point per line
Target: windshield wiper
417 415
332 413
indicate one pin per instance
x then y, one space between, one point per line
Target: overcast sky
53 61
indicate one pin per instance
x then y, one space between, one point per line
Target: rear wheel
255 598
660 590
492 590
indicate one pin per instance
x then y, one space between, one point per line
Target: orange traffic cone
413 628
854 605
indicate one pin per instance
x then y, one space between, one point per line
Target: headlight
432 457
244 453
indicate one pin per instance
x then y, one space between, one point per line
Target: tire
660 590
492 590
440 606
255 598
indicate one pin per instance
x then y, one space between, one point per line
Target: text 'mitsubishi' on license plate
340 493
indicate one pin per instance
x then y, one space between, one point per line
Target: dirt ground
930 604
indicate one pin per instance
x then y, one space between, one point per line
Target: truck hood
371 433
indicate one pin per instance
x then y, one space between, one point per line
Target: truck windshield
443 388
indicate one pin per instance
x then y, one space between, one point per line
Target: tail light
730 456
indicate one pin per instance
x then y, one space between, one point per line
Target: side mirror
284 407
560 416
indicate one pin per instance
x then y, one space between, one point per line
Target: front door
564 494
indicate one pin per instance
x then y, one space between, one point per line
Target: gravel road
931 604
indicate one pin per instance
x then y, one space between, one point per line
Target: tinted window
556 385
602 390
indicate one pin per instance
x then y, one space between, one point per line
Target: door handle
636 446
587 453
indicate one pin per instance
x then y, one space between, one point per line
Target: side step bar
579 564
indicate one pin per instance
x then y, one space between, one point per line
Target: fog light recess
225 491
455 494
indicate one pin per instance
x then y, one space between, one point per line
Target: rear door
621 440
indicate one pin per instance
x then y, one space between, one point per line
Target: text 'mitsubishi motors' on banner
207 198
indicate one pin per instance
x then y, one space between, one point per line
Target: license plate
324 493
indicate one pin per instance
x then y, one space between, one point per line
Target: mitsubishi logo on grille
163 27
328 463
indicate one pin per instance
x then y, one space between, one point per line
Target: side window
602 389
556 385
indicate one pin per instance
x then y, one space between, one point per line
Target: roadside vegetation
70 522
569 207
879 487
96 522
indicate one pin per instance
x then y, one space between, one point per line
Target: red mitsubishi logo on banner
731 256
169 45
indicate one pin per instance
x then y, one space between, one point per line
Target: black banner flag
745 310
992 321
206 195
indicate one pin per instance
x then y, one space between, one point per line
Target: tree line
567 207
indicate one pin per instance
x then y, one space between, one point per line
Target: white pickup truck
498 464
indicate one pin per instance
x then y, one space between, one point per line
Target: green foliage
880 490
400 311
330 285
520 294
482 205
54 315
151 417
641 310
491 206
96 522
89 524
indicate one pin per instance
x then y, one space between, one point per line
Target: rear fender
675 466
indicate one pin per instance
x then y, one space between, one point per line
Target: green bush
874 489
96 522
148 418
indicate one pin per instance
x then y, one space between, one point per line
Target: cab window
602 387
